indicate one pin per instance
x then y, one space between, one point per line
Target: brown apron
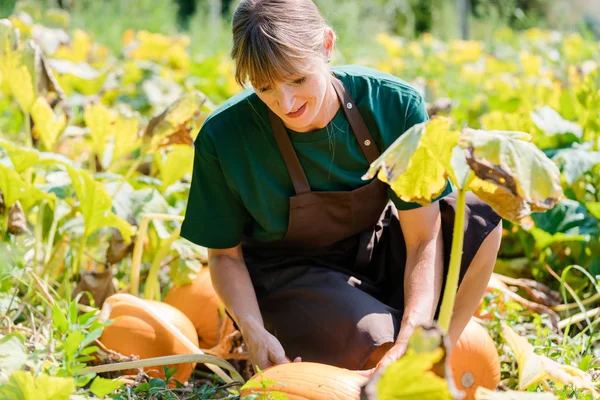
332 290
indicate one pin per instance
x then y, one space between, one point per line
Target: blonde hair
271 39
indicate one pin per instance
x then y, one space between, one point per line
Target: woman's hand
264 349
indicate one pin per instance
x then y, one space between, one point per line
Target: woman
310 261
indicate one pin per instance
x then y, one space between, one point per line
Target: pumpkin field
101 298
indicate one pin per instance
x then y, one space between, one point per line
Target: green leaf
22 386
13 354
177 162
95 205
544 239
12 186
411 378
418 163
21 158
594 209
586 362
575 162
515 177
59 321
102 387
568 217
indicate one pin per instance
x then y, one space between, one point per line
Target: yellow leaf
411 378
21 86
100 121
127 136
176 164
515 165
173 126
535 368
418 163
48 126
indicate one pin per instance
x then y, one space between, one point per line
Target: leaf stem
152 279
75 267
455 261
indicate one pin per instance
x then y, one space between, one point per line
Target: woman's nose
286 101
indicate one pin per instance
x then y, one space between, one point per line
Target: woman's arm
422 232
232 283
421 228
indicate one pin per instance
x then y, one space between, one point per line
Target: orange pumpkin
200 303
308 380
474 361
134 331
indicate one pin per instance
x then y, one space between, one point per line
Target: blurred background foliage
355 21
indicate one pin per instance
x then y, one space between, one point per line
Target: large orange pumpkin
200 303
136 332
308 380
474 361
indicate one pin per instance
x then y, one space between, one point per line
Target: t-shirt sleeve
215 216
416 113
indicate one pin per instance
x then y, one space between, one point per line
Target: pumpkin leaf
175 164
22 385
535 368
411 378
48 126
174 124
100 120
127 137
12 186
95 205
569 217
21 87
575 162
525 179
21 158
418 163
551 123
42 78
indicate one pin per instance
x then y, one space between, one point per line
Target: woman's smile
298 112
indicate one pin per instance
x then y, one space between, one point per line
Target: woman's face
302 101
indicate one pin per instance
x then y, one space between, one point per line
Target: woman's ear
328 42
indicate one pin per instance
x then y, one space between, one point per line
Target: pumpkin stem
455 261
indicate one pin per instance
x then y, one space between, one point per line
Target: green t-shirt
240 184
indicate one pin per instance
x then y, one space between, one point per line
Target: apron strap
361 132
292 163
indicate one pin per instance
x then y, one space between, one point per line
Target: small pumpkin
474 361
135 331
309 381
200 303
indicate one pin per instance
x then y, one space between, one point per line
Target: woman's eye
263 89
300 81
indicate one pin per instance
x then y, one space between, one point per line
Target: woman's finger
298 359
365 372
